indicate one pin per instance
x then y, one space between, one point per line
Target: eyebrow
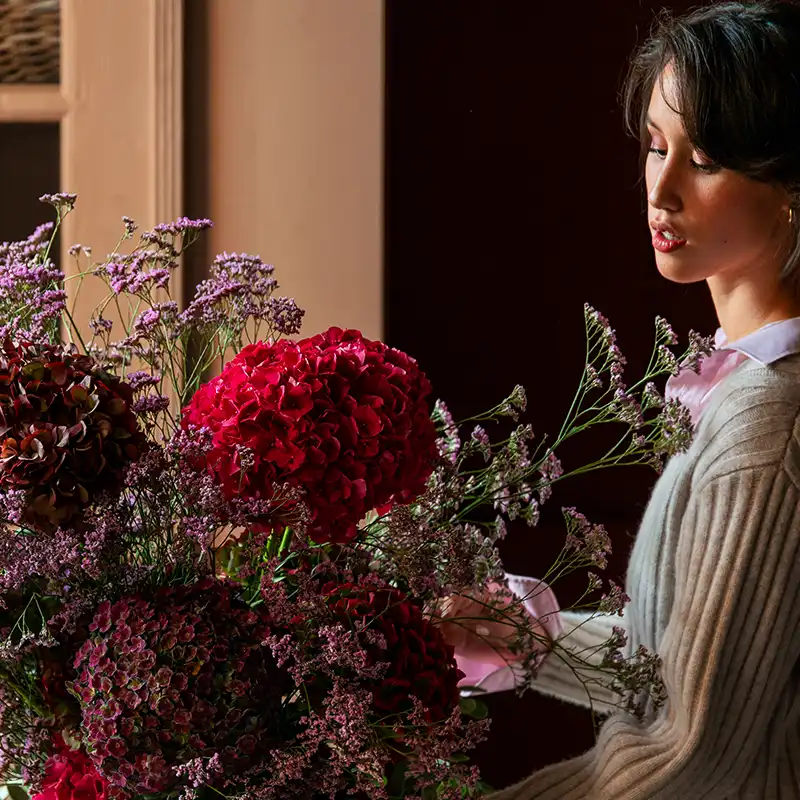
652 124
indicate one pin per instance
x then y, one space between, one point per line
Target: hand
481 628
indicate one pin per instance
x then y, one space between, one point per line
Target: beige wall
296 149
121 125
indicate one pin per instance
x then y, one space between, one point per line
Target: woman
714 576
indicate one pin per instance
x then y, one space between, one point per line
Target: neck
746 307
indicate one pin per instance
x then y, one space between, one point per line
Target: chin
675 269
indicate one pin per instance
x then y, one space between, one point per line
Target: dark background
512 198
29 168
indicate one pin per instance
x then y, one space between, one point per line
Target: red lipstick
664 245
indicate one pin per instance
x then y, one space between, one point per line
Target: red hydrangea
179 677
342 417
67 430
71 775
421 663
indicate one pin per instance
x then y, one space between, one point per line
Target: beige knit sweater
714 581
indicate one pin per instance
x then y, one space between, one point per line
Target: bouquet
236 563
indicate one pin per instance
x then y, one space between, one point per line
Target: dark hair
737 70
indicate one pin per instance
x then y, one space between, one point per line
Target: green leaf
16 792
397 781
481 710
467 706
475 709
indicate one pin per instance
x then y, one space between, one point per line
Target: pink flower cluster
182 675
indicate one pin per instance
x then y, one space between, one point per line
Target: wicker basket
29 41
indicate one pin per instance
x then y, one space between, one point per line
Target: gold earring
791 215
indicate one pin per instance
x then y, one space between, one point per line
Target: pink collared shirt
766 346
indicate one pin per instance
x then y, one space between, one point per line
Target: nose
665 189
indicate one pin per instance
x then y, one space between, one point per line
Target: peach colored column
296 149
121 135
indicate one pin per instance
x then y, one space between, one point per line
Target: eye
660 153
706 169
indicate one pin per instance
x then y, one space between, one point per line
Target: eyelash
706 169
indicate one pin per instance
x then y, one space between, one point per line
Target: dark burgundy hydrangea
421 663
67 431
344 418
181 676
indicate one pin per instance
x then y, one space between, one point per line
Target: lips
663 227
665 245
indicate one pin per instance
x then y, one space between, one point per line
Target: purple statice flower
627 410
130 226
66 556
665 332
700 347
336 750
592 378
637 677
63 201
208 308
151 404
614 601
449 443
617 363
590 542
551 470
666 361
675 429
435 749
183 226
595 582
21 280
240 267
32 297
595 321
139 271
100 325
29 249
239 289
515 403
159 315
518 453
141 379
284 315
479 440
340 649
651 397
76 249
200 771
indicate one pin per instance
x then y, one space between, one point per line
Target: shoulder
751 422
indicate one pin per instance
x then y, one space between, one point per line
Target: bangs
739 106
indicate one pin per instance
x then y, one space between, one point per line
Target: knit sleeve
562 676
728 651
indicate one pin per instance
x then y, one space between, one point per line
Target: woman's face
719 224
